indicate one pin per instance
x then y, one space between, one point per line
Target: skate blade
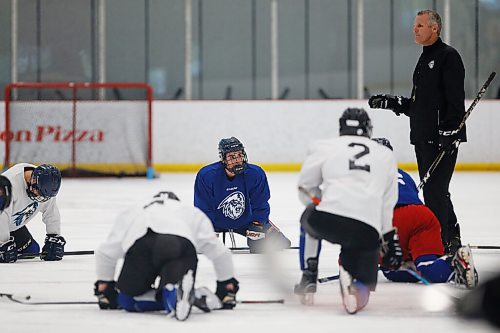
307 299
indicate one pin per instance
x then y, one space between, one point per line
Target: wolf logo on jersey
233 205
25 214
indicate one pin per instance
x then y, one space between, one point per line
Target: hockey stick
69 253
328 278
485 247
315 200
442 151
25 300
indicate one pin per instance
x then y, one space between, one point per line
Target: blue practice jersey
232 203
408 193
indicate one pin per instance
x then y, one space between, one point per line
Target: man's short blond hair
434 18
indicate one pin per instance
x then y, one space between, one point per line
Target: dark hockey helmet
231 145
44 183
355 121
383 142
5 192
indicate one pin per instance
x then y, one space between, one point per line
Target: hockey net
85 129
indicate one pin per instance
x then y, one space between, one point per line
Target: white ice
88 208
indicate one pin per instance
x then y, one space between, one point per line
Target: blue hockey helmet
44 183
383 142
5 192
355 121
231 145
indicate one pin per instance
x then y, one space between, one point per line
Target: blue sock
169 297
138 303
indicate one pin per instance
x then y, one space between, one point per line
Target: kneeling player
234 194
162 239
420 238
354 183
34 190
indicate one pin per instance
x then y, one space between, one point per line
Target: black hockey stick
25 300
485 247
442 152
69 253
328 278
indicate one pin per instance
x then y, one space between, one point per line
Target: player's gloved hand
8 251
256 231
390 250
107 294
226 291
447 141
389 102
53 249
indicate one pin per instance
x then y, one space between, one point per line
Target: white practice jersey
163 216
22 209
354 177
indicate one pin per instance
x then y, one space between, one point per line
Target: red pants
419 231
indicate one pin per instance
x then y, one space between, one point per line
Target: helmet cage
232 145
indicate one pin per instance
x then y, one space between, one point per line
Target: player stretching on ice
161 239
234 194
34 190
353 180
420 238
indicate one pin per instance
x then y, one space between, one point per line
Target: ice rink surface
88 208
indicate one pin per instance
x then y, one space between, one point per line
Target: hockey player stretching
234 194
353 180
420 238
159 243
34 190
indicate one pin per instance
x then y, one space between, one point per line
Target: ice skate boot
355 294
185 296
306 288
463 266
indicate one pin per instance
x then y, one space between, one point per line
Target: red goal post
85 129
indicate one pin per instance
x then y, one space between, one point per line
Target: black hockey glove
107 298
226 291
389 102
448 141
8 251
53 249
390 250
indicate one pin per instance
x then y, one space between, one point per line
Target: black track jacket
438 97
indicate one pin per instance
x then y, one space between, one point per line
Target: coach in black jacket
436 108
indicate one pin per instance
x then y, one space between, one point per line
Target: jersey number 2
352 161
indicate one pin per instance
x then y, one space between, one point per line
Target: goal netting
85 129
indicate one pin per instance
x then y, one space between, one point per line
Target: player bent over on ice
162 239
353 181
420 238
235 196
34 190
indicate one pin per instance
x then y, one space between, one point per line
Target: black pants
25 241
153 255
359 242
436 190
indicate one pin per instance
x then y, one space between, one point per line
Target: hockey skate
354 293
306 288
205 300
185 296
463 266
